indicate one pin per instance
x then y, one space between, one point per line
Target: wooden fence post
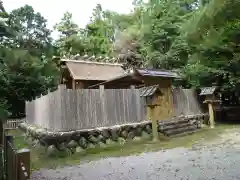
102 98
7 139
211 115
62 113
154 123
23 159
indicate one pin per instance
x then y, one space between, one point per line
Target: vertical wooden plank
87 101
85 108
50 103
103 104
115 103
79 108
99 111
111 112
124 109
58 115
94 120
129 104
134 105
69 109
74 109
62 91
174 103
27 110
54 111
138 105
106 113
118 118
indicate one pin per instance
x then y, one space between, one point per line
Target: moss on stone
72 144
52 151
121 141
83 142
91 146
110 142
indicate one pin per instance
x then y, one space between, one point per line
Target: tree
128 34
95 39
99 32
161 40
70 41
26 59
23 73
4 32
32 30
197 38
212 33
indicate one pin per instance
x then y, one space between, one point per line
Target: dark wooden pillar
23 159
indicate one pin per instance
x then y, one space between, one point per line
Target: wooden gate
17 163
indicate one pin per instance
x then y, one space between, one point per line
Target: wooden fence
17 163
12 123
67 109
186 102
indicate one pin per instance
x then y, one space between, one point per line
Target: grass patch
40 160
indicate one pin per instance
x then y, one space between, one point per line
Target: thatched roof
89 70
135 78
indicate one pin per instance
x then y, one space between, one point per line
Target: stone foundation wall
78 141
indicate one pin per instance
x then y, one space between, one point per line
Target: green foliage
69 41
33 34
199 39
161 33
94 39
26 70
21 73
213 33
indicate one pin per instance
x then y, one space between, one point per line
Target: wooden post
1 150
73 84
148 115
154 123
23 159
7 139
211 115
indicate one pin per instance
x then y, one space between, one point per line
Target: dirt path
219 159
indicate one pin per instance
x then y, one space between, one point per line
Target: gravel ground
218 160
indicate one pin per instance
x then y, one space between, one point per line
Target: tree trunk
1 152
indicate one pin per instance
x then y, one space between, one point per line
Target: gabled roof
89 70
208 90
134 77
149 91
